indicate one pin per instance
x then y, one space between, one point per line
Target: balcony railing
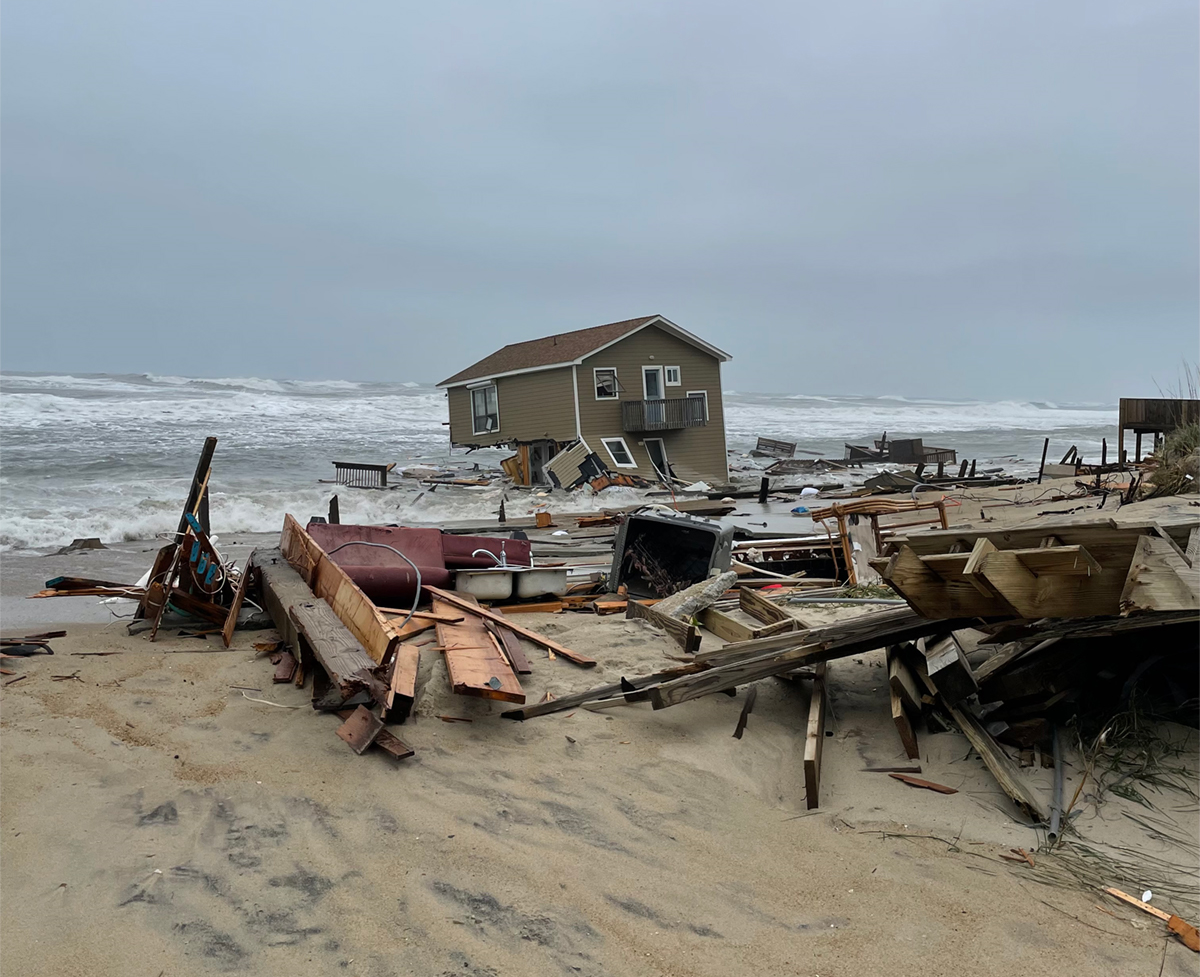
663 415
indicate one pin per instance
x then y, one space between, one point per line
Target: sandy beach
159 820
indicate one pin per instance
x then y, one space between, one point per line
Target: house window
485 410
606 383
700 395
618 450
673 376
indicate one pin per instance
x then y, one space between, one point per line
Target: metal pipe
844 600
1057 797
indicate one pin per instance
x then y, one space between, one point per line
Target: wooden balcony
662 415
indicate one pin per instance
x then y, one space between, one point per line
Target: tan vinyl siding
533 406
693 452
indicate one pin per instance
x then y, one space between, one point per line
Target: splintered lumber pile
746 661
364 659
1067 612
1067 570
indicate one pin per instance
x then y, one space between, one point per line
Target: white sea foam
112 456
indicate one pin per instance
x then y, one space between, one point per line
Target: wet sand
155 820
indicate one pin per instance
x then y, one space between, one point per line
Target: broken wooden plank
474 661
747 706
600 692
285 668
345 661
814 740
402 683
904 728
239 596
947 666
361 729
1006 772
1159 579
926 784
902 682
687 635
529 635
511 647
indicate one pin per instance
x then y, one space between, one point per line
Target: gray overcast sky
978 198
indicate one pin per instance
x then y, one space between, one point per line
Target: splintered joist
1160 579
345 661
474 661
1007 774
853 637
905 701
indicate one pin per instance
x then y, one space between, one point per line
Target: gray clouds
994 199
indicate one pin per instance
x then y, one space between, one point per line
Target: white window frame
667 381
471 394
662 383
701 393
596 383
628 453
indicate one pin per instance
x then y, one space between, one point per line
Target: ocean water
112 455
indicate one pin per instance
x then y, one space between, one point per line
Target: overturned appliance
660 551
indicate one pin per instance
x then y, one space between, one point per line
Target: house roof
567 348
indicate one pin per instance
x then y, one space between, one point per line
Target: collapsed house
638 397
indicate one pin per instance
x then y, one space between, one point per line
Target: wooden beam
852 637
1159 580
344 659
281 588
814 740
629 688
538 639
402 686
1007 775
